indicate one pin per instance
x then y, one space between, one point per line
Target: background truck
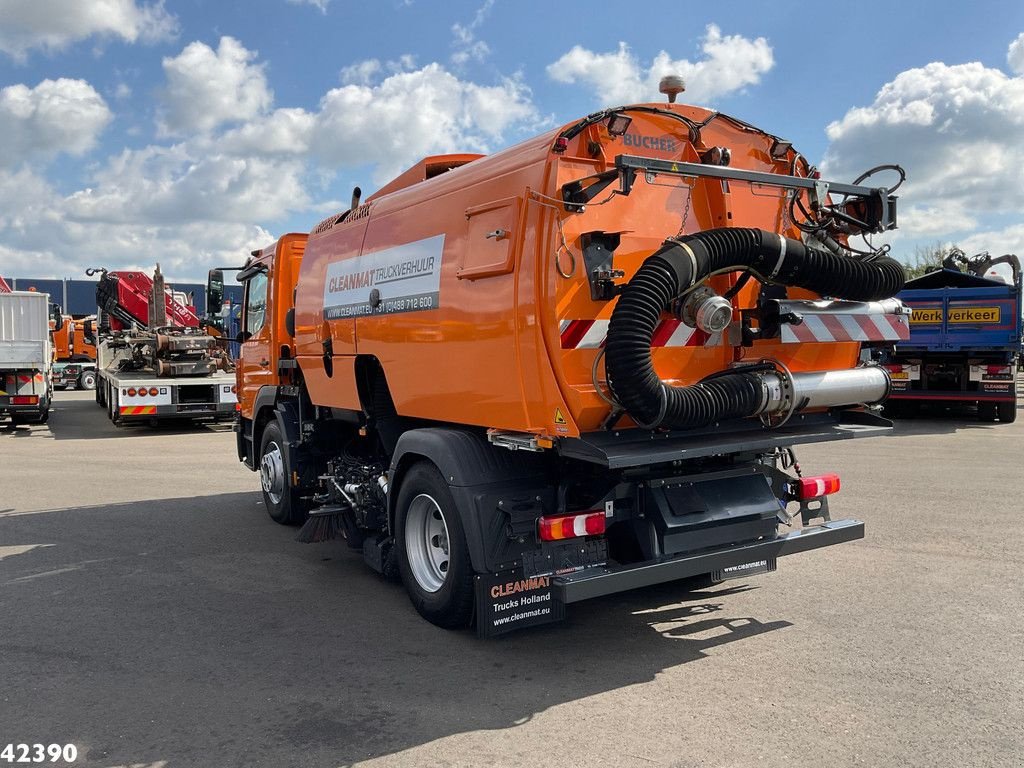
154 362
71 344
965 338
572 368
26 355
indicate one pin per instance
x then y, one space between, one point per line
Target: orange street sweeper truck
575 367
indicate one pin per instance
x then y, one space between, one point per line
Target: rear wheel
1007 412
283 504
986 411
113 411
87 380
433 556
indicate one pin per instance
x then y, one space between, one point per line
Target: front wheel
87 380
283 504
433 556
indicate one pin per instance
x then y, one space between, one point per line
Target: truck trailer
154 361
571 368
26 355
965 338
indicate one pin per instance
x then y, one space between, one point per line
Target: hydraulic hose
686 261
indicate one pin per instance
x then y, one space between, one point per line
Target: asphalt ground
153 615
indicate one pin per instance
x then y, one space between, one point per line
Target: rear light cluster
142 392
813 487
24 399
571 526
894 368
998 370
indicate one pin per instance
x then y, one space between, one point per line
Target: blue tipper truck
965 338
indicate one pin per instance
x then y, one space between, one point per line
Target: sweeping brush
323 524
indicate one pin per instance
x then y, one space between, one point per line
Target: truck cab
267 354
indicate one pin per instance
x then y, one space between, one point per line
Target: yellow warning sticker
926 316
973 315
559 417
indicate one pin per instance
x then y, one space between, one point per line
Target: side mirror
89 333
57 315
242 337
214 292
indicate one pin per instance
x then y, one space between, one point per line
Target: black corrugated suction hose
685 261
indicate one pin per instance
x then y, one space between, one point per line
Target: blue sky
192 131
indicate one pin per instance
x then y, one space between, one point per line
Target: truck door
255 363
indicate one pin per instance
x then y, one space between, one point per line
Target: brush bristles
320 528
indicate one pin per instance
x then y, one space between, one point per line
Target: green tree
928 258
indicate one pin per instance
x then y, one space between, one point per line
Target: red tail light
998 370
894 368
24 399
813 487
570 526
132 392
153 391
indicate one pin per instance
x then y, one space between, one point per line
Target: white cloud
997 242
57 116
465 41
927 221
412 114
1015 55
207 88
321 4
729 63
958 130
54 24
209 197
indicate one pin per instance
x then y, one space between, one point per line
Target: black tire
285 507
451 604
1007 412
101 393
986 411
87 380
894 409
113 410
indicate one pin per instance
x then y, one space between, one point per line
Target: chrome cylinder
784 392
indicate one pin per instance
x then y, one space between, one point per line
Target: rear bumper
596 582
958 395
177 411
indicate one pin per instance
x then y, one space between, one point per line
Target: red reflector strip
138 410
570 526
865 326
591 334
813 487
24 399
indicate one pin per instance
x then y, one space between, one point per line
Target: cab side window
256 303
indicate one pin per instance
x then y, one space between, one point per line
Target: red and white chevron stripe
874 326
591 334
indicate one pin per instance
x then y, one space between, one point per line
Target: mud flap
507 601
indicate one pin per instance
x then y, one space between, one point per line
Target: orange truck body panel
485 347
